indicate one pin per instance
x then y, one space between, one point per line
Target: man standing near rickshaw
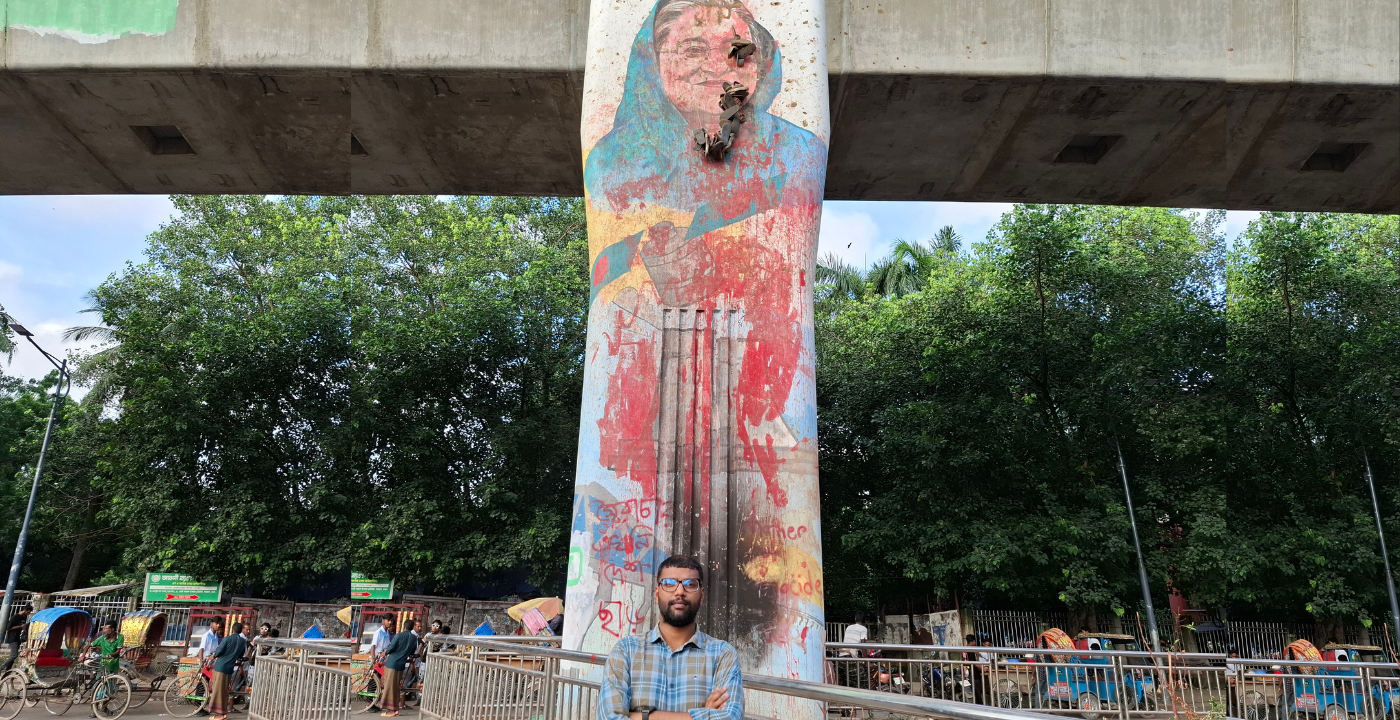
226 658
403 647
109 647
213 637
382 637
16 634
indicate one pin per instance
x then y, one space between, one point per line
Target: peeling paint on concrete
91 21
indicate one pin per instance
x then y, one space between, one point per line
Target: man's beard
679 618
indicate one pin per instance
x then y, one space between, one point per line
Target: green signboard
363 588
174 587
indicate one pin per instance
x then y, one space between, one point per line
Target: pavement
154 708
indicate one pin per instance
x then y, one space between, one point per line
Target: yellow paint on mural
793 571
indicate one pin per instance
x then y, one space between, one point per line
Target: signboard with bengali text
364 588
176 587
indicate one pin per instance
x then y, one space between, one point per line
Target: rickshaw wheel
139 695
12 694
1335 712
1256 707
58 699
1008 694
111 697
1090 702
365 690
186 696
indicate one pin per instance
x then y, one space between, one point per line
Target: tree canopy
296 387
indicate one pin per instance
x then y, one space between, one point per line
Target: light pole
58 395
1389 579
1142 566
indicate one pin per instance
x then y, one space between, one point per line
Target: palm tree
844 281
90 370
905 270
947 240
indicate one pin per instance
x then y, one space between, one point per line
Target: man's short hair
860 618
682 561
388 619
409 624
237 628
216 621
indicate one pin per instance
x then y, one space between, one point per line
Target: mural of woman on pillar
698 433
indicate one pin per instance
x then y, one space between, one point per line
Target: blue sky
54 249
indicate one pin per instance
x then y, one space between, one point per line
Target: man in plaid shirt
674 672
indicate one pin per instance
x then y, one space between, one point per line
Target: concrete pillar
698 432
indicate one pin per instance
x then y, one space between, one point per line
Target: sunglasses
691 585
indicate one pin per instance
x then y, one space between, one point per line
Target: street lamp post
58 394
1389 579
1142 566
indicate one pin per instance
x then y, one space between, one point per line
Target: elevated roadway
1246 104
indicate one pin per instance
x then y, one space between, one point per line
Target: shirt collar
699 639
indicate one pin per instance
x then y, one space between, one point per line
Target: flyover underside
894 137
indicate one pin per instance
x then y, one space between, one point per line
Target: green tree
310 384
968 430
1314 364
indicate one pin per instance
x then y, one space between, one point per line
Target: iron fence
1273 690
301 680
1087 683
483 678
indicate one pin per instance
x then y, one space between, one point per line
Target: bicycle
109 693
139 668
190 693
367 686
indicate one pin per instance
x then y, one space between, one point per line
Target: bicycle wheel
364 691
12 694
58 699
139 695
186 696
111 697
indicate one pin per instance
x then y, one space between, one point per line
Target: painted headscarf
650 156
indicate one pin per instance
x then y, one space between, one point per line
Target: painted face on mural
693 55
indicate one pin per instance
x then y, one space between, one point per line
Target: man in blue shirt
674 672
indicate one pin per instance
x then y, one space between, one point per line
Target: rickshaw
189 692
1310 695
1339 697
54 670
366 682
1093 687
143 663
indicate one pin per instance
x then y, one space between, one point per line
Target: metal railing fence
483 678
301 680
1088 683
1276 689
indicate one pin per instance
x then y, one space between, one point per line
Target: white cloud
9 272
850 234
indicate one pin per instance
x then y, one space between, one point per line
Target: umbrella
548 607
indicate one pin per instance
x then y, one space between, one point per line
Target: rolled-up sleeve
730 677
615 694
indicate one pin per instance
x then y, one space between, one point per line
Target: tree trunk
75 567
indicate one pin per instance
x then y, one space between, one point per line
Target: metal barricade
301 680
1276 689
1091 684
486 678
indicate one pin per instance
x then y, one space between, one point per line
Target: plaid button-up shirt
644 672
